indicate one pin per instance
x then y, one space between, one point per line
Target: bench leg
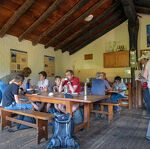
101 107
110 113
42 130
4 121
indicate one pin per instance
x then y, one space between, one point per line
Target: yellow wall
35 56
88 68
83 69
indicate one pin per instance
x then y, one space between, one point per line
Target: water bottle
66 89
85 89
27 85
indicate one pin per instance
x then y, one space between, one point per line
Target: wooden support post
133 28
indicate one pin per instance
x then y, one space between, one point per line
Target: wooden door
110 60
122 59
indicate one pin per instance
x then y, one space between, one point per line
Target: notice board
49 65
18 60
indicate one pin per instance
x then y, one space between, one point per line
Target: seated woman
120 87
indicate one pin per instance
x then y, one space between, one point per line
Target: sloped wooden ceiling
60 23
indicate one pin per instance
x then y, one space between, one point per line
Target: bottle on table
65 89
85 89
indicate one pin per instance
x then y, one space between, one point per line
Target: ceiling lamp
89 18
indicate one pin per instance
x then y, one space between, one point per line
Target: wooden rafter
82 30
78 6
141 9
120 21
145 3
74 23
16 16
91 31
46 14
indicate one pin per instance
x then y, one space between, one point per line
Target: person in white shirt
147 77
120 89
43 83
147 74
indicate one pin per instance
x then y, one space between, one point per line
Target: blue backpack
63 136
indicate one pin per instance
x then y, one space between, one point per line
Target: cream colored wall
63 62
35 55
88 68
83 69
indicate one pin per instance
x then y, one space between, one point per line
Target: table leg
69 105
87 115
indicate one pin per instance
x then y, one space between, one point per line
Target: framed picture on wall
145 52
148 35
18 60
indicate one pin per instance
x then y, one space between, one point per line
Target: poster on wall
49 65
148 35
18 60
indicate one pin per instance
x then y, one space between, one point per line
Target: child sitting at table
120 87
43 83
55 88
11 98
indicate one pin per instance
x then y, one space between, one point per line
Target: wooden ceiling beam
145 3
82 30
77 7
74 23
129 10
120 21
46 14
15 17
91 31
141 9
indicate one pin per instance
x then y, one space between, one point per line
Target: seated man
11 99
120 87
99 85
73 85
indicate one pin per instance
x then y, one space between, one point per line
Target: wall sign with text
18 60
49 65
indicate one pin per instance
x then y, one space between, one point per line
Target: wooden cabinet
116 59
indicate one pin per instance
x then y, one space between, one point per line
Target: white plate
30 89
74 93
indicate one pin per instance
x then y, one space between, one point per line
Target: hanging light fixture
89 18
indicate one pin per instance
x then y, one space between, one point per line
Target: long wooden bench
110 112
41 121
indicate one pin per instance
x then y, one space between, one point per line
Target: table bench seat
110 109
41 121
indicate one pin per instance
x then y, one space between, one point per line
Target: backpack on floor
63 136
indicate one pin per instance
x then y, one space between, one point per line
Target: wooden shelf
116 59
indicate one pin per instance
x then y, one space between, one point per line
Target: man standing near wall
147 76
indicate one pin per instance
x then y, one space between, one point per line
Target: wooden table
59 99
